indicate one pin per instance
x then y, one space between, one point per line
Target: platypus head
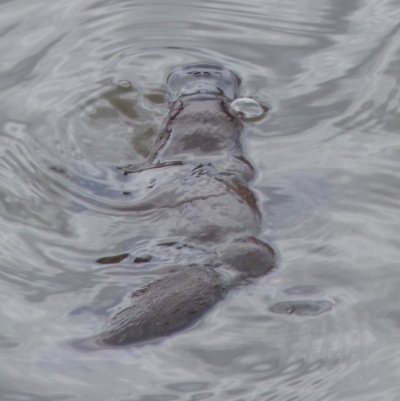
202 78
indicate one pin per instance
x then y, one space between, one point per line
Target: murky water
327 157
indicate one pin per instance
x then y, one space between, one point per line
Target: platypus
208 205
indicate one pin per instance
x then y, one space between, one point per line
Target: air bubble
124 84
248 108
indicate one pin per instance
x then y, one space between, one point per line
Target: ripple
302 307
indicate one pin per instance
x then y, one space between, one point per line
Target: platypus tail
179 299
165 306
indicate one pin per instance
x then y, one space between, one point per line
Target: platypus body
208 206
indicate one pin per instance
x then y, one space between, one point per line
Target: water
327 156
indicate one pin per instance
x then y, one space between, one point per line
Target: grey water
327 156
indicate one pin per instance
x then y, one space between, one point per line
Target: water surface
327 157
